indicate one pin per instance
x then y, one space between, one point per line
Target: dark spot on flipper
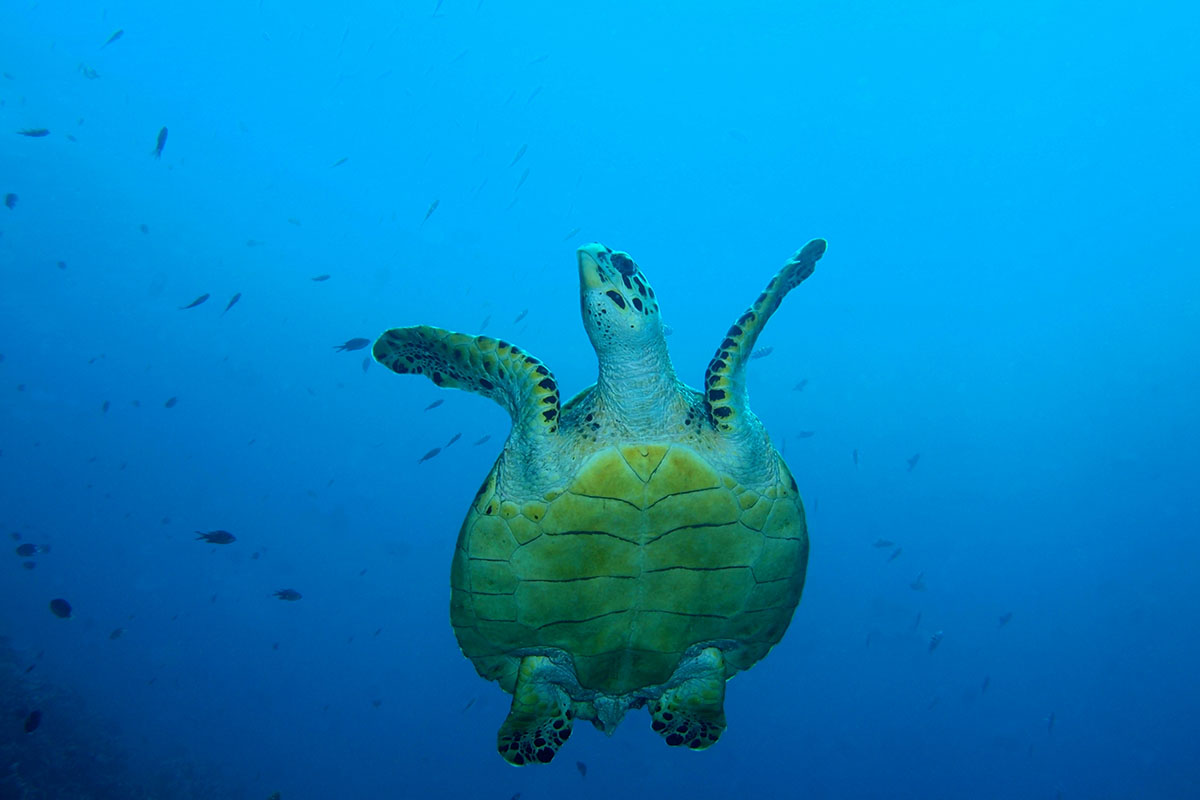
548 384
722 412
628 285
674 740
615 296
486 384
541 370
716 394
637 303
549 414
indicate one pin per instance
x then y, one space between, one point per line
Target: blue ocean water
1009 192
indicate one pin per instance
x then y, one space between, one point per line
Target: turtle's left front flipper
725 380
490 367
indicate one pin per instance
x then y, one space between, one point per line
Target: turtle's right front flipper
490 367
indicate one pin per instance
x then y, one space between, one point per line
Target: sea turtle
634 546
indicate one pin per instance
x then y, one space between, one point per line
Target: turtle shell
646 551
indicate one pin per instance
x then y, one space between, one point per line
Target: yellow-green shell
647 551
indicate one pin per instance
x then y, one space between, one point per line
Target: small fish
88 72
761 352
1004 619
339 162
232 302
521 181
10 201
32 721
521 316
918 585
453 439
805 434
321 278
912 462
882 543
144 228
895 554
366 363
482 439
987 681
117 633
119 33
582 767
194 303
470 703
160 143
217 537
916 623
34 133
520 153
60 608
104 407
935 640
486 321
171 401
1050 723
29 549
571 234
357 343
434 405
429 455
291 595
60 264
799 387
432 208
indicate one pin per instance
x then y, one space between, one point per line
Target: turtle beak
590 258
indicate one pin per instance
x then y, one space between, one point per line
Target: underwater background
987 391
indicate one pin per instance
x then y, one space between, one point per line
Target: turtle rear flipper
540 718
520 383
725 380
692 713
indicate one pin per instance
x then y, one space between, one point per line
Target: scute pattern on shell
648 551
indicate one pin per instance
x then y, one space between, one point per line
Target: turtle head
619 309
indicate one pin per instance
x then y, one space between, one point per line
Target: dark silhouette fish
60 608
482 439
453 439
104 407
1004 618
10 201
571 234
34 133
339 162
117 633
429 455
432 208
171 401
935 640
217 537
232 302
987 681
520 153
32 721
882 543
119 33
895 554
912 462
434 405
582 767
486 321
521 180
357 343
521 316
799 387
918 585
321 278
162 140
366 363
194 303
29 549
916 622
291 595
806 434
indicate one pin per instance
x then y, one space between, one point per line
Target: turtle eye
616 298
